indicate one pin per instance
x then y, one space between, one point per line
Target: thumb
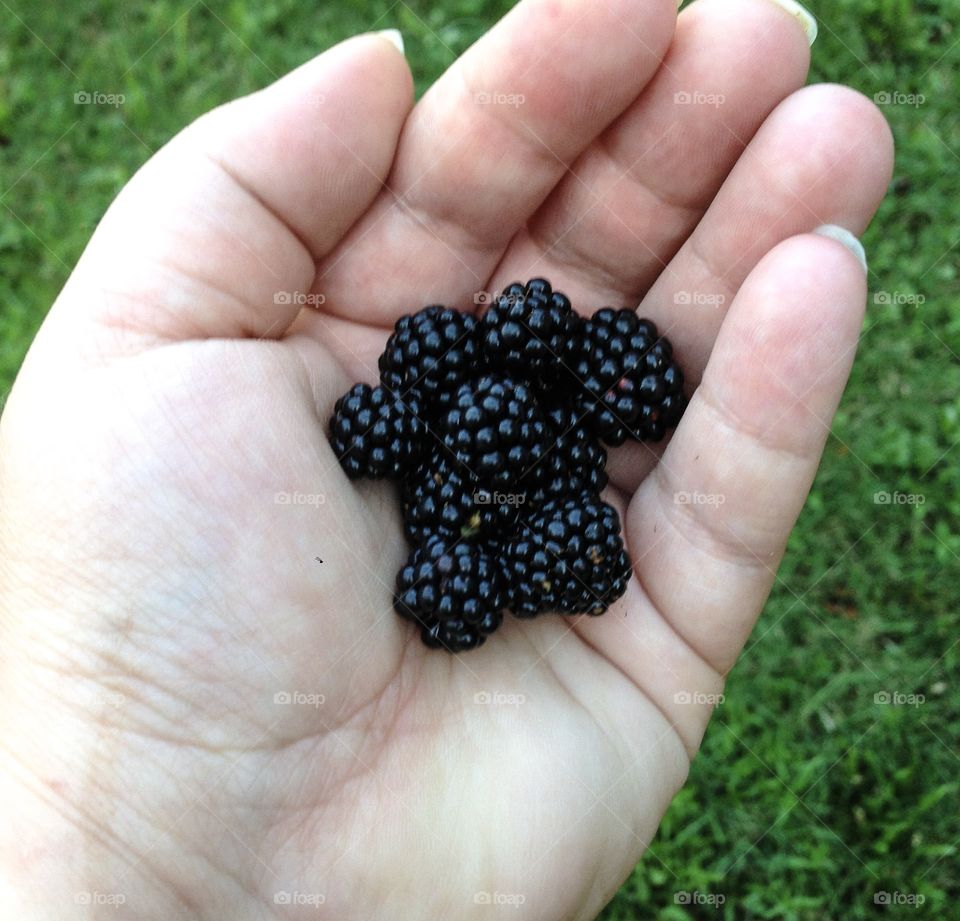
219 230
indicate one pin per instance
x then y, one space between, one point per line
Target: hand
198 715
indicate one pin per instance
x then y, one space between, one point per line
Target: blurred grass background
809 796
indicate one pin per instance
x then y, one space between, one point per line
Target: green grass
808 797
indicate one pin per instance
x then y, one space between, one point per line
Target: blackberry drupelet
375 434
454 590
527 330
569 559
625 379
431 353
497 431
442 498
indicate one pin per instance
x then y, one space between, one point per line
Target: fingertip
846 125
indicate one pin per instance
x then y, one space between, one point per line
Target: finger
824 156
217 235
485 146
708 528
611 225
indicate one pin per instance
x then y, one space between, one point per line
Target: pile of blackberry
495 430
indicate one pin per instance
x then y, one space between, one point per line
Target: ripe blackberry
576 460
569 559
454 590
497 431
625 378
525 332
376 434
442 498
430 352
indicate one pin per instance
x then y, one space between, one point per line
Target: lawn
831 772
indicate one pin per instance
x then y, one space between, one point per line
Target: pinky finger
709 528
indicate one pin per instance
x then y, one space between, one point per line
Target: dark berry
376 434
626 382
576 461
526 331
454 590
497 431
443 498
431 353
569 558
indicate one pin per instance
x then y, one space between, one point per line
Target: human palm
209 705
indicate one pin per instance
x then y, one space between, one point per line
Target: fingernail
394 37
843 236
803 16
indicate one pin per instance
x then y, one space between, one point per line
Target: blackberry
626 380
497 431
454 590
442 498
375 434
526 331
431 353
570 559
576 460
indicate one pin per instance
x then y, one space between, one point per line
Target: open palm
209 705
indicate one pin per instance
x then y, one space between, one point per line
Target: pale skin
156 596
